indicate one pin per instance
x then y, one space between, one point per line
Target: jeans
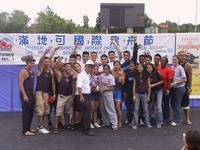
166 107
27 111
176 97
143 99
129 107
156 104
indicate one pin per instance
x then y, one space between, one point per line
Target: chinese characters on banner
14 46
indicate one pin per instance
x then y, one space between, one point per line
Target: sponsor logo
6 43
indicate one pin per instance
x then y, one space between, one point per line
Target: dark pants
86 112
129 107
166 107
27 111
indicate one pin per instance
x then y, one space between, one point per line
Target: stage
166 138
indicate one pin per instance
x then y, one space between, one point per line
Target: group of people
88 94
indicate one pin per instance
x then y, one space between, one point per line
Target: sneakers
96 125
175 124
149 126
29 133
43 130
134 127
91 126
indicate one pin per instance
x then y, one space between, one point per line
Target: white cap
89 62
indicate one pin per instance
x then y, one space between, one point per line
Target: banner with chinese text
14 46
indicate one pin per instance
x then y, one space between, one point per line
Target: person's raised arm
41 60
119 50
53 52
75 48
135 51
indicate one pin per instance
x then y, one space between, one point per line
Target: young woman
156 94
95 95
107 107
128 92
177 90
119 81
141 93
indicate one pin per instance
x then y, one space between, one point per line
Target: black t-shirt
128 86
156 77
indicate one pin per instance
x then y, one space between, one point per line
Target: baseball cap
89 62
28 58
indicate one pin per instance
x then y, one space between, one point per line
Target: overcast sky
180 11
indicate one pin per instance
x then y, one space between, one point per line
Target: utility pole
196 16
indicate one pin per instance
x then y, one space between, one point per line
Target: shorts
95 96
42 105
77 104
64 104
185 103
117 94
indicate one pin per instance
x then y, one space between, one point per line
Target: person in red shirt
167 75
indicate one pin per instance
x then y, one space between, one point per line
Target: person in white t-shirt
84 90
85 58
107 107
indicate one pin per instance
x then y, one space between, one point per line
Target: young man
84 89
66 88
72 59
148 59
111 54
104 61
188 70
126 56
45 85
157 59
85 58
26 85
142 59
167 75
77 105
94 57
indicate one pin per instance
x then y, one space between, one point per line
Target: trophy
97 84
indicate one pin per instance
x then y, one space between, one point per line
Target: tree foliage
49 22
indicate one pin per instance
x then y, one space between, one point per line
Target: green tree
173 27
16 22
50 22
147 21
98 23
4 18
187 27
85 21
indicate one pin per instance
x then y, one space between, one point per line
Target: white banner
190 42
14 46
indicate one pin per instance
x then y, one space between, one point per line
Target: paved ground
167 138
